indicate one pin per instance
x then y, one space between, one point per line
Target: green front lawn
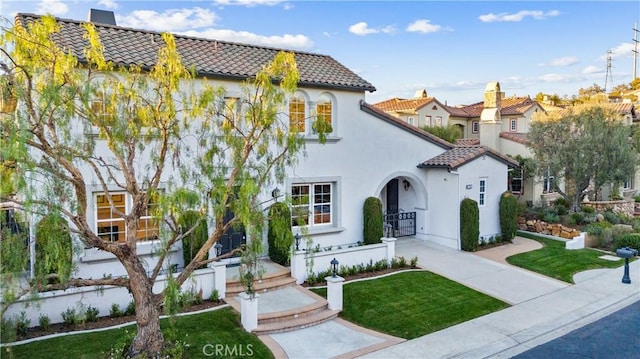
554 261
219 327
412 304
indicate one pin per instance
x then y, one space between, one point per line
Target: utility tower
635 51
609 76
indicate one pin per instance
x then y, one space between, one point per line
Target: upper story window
475 127
513 125
628 183
231 109
110 224
516 181
324 109
548 182
438 120
410 120
428 120
312 204
297 113
100 104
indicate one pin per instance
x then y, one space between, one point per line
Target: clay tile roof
515 137
211 58
621 108
468 142
461 155
378 113
509 106
403 105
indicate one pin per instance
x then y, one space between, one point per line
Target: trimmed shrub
279 235
373 227
469 224
631 240
508 216
192 242
54 250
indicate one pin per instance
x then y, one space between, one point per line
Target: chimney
102 17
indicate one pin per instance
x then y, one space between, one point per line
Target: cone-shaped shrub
469 224
280 236
372 212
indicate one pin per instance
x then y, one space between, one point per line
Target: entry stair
283 305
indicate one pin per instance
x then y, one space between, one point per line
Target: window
515 181
231 110
297 116
475 127
548 184
427 120
410 120
628 183
438 120
324 109
110 223
100 105
311 204
483 192
513 127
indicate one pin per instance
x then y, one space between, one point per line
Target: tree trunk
148 341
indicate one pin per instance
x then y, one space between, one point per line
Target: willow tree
162 135
588 147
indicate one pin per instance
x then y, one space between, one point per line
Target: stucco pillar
220 278
334 292
298 266
391 247
249 311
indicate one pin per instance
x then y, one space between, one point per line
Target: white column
334 292
391 247
298 266
249 311
220 278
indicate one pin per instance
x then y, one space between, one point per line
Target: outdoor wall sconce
334 266
218 248
297 237
275 193
406 184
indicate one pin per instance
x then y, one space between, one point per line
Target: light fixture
297 237
406 184
218 248
275 193
334 266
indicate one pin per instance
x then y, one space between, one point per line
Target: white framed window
475 127
548 184
513 125
231 109
110 224
324 109
428 120
516 181
483 192
628 183
312 204
297 113
438 120
410 120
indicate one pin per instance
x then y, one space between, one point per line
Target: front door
392 196
234 237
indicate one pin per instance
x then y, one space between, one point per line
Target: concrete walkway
543 309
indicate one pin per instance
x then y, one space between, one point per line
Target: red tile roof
468 142
210 58
461 155
515 137
403 105
509 106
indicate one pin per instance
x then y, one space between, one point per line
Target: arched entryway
404 205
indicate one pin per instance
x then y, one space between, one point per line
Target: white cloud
423 26
53 7
519 16
287 41
592 70
170 20
362 29
248 3
108 4
623 50
564 61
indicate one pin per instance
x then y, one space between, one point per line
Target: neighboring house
420 178
418 111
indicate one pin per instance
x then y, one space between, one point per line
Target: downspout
459 242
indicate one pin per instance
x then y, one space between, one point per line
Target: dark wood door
234 237
392 196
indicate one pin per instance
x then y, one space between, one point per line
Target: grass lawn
215 327
412 304
554 261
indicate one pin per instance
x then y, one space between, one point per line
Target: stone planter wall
552 229
625 206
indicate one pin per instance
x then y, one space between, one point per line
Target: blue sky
450 48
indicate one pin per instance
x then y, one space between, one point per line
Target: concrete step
296 324
264 285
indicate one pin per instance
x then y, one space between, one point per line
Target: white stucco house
420 178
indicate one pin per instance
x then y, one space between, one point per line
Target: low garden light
297 237
334 266
218 248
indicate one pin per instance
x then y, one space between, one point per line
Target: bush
22 323
215 296
577 218
508 216
551 217
631 240
115 311
373 226
588 209
562 202
131 308
611 217
92 314
192 243
469 224
54 251
69 316
561 209
279 233
44 321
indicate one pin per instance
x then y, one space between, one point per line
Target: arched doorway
399 197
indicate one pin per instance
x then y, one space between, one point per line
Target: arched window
297 113
324 109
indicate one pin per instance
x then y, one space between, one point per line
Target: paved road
614 336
